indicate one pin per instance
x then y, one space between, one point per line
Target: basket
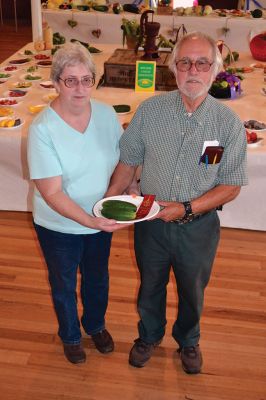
257 46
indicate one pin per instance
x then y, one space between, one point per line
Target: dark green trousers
190 250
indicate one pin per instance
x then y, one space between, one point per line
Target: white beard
195 93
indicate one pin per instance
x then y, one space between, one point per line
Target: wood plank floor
10 40
32 365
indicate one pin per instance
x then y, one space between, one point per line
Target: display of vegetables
91 49
10 123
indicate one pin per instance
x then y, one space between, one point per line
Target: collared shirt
168 142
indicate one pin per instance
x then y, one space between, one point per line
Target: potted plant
131 32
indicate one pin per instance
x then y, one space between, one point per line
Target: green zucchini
94 50
100 8
121 108
131 8
119 210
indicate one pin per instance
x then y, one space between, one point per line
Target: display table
109 24
246 211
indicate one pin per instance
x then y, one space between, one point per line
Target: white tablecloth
109 24
247 211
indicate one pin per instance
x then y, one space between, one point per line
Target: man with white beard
192 149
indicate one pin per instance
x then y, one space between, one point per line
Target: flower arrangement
226 85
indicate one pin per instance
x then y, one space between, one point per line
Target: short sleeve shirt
168 143
85 161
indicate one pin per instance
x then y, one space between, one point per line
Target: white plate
258 65
40 65
22 53
7 109
6 71
255 130
18 98
8 98
42 57
36 108
43 85
50 97
15 86
137 200
13 127
124 113
259 142
34 74
19 61
4 79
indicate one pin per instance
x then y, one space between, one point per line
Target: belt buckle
185 220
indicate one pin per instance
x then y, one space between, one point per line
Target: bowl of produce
226 86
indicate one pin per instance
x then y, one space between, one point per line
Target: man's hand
171 211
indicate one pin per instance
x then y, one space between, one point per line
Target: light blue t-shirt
85 161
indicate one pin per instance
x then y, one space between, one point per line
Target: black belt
190 218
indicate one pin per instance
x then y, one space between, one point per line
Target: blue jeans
190 250
64 253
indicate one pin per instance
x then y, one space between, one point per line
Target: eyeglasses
201 65
86 81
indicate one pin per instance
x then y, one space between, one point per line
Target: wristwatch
188 209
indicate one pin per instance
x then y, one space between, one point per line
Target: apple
251 137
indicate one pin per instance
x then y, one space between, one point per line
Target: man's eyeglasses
201 65
86 81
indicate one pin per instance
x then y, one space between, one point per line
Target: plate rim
12 62
13 127
8 98
22 77
18 98
43 66
258 143
127 198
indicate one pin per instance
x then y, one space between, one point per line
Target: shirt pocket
205 178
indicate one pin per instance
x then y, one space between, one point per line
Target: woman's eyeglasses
201 65
86 81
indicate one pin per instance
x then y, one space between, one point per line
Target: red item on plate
145 206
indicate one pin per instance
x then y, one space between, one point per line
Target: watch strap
188 209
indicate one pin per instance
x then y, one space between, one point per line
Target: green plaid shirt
168 143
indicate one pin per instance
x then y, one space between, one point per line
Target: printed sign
145 76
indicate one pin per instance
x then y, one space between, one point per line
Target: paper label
145 76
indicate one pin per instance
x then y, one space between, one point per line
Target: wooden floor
10 40
32 365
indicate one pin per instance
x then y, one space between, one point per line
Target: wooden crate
164 10
120 70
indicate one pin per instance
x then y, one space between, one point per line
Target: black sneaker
191 359
141 352
74 353
103 341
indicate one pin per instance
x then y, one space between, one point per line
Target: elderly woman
72 152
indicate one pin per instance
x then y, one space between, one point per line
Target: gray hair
217 58
69 55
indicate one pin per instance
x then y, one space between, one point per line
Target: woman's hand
107 225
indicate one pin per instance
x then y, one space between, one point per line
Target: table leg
1 13
15 12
